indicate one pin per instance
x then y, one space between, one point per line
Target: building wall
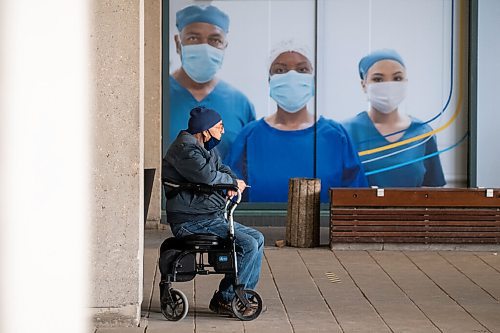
117 162
152 104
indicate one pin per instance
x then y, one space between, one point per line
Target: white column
44 166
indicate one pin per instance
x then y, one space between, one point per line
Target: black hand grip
225 187
198 187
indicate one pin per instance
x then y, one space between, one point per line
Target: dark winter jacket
187 161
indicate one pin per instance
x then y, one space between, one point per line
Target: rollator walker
181 259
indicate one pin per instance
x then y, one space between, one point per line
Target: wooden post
302 227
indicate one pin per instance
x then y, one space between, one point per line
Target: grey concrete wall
118 163
152 103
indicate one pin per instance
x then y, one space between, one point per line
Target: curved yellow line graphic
418 137
453 117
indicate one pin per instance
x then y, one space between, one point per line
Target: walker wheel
249 311
177 308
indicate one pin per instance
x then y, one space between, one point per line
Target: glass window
402 121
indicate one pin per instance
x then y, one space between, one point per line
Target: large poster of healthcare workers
357 93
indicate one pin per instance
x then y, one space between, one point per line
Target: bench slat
383 217
417 234
427 240
418 211
414 228
415 223
435 197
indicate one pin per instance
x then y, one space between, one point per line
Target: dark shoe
219 305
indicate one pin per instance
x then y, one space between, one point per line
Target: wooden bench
417 215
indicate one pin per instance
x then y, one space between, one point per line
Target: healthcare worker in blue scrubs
384 80
270 151
201 43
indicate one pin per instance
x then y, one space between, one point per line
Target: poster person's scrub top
422 172
266 158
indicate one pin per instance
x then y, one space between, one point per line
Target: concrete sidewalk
319 290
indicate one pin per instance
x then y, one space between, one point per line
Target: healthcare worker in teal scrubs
290 143
384 81
201 44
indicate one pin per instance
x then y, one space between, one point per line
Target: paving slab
319 290
393 305
490 258
121 330
156 323
475 269
480 305
344 298
436 305
301 297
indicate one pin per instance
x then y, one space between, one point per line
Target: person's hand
241 186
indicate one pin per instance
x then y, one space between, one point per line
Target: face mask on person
291 90
211 143
386 96
201 61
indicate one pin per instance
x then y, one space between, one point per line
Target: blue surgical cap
369 60
207 14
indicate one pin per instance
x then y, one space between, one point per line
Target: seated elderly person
192 159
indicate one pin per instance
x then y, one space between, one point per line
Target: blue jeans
249 249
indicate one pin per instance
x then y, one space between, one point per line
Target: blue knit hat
202 119
369 60
206 14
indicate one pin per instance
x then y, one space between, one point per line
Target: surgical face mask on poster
386 96
201 61
291 90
